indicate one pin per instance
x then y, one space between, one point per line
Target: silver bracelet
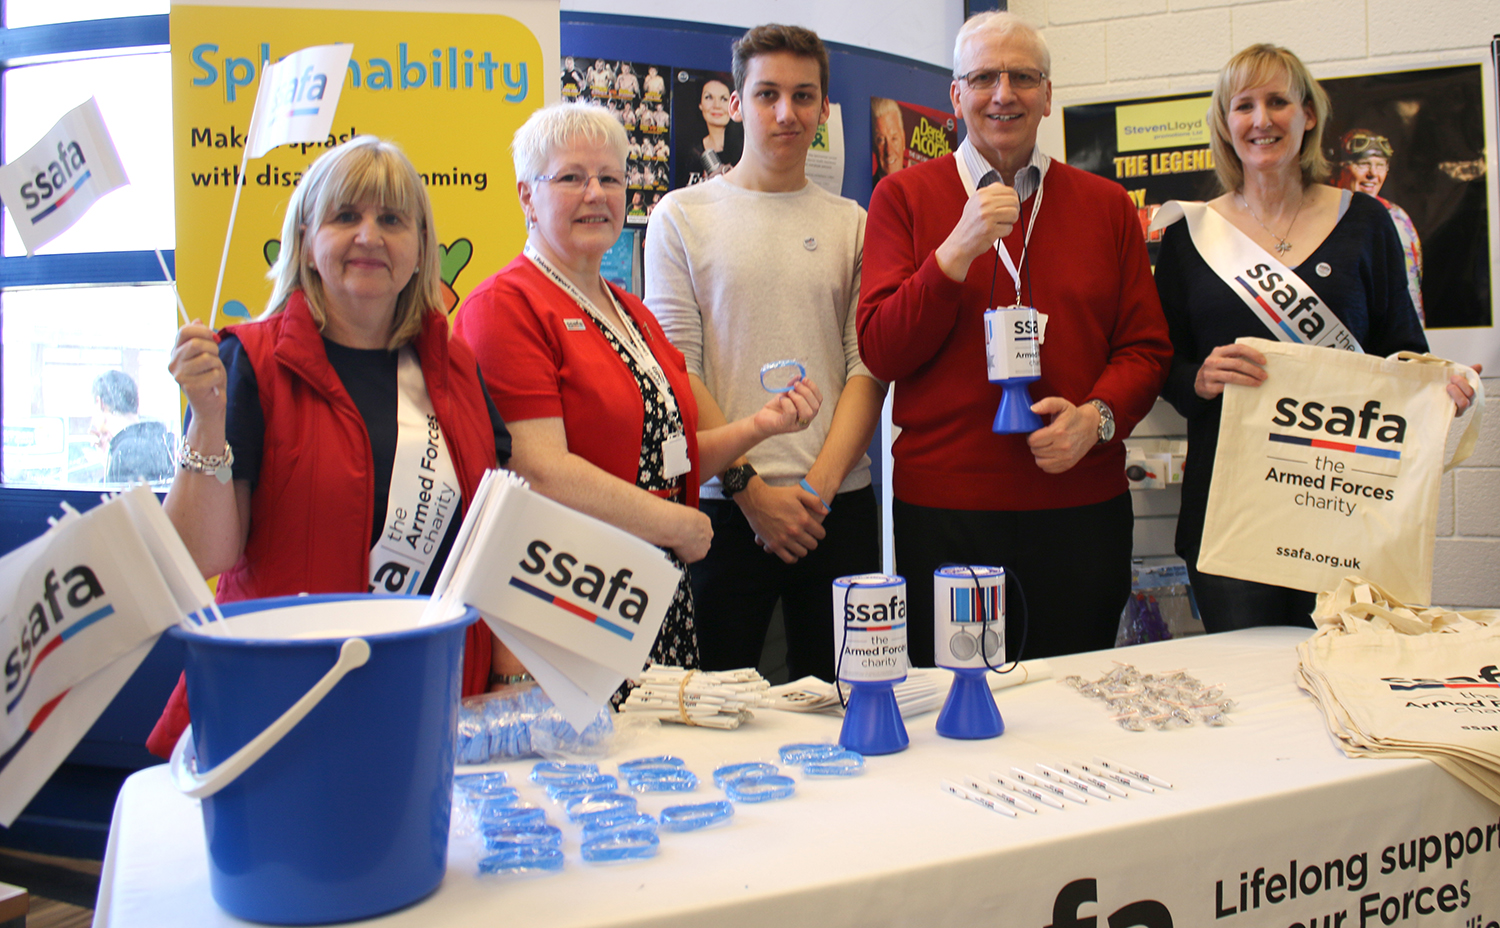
216 464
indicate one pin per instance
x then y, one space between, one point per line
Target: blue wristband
774 365
808 487
694 817
523 857
760 788
623 845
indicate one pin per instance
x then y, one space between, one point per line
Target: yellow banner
1169 124
449 88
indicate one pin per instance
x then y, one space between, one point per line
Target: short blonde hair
1002 24
1257 65
363 168
554 128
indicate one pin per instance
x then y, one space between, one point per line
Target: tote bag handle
1471 433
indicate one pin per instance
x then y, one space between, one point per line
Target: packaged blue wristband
728 772
521 858
624 845
695 817
760 788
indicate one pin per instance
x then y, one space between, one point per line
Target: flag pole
181 309
239 186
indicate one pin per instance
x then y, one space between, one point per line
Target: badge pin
1323 269
573 325
810 243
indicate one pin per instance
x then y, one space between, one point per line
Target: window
87 324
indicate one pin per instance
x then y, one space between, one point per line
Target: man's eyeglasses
1020 78
573 182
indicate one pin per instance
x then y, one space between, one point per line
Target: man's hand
1064 441
988 215
787 521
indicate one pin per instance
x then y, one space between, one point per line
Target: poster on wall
449 88
640 98
904 134
705 141
1415 139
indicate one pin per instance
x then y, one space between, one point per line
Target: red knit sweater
1086 268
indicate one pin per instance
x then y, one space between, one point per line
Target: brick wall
1104 49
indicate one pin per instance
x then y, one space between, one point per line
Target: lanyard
1036 204
630 339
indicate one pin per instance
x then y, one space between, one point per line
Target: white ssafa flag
297 98
60 177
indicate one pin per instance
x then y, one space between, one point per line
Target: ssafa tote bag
1332 466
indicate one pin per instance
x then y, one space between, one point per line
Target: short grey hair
554 128
1002 24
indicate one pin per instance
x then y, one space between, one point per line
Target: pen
1132 772
1053 773
1121 779
1031 779
1076 770
1025 790
1010 799
962 792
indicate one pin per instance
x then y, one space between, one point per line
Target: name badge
674 456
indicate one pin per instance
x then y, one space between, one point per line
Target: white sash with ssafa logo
1288 307
424 495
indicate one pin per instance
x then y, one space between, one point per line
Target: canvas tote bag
1407 681
1332 466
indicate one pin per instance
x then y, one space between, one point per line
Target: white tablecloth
1384 842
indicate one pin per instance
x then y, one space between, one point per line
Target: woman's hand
196 367
692 531
1461 392
1232 363
792 411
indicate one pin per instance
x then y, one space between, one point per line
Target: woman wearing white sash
1276 217
597 399
333 442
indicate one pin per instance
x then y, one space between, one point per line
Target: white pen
1076 770
964 792
1044 798
1031 779
1099 771
1132 772
1010 799
1052 773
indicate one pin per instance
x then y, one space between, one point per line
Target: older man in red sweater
1052 506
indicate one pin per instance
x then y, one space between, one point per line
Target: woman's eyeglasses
574 182
1020 78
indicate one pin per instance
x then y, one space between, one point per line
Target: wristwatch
736 479
1106 420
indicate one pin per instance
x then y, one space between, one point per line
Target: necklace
1282 245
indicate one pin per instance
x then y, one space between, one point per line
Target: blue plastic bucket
346 815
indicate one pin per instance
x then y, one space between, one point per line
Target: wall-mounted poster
705 140
640 97
416 78
1415 139
904 134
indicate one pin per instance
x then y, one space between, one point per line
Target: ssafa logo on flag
297 98
60 177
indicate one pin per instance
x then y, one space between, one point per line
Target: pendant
1282 247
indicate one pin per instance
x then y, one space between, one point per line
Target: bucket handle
355 652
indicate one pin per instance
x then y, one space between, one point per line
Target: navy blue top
1365 286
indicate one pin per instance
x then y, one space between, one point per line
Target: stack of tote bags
1408 681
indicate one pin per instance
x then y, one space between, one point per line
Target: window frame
24 510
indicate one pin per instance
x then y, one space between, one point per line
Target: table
1369 842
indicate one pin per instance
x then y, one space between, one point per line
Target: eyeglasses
1020 78
1360 141
574 182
